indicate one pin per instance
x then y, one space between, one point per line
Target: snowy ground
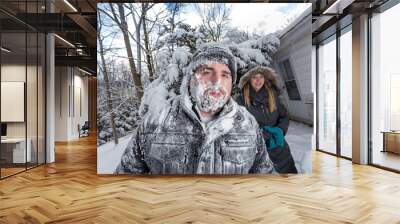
299 140
298 137
109 155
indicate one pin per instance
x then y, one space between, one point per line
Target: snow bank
109 155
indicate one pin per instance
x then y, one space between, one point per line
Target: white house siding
296 45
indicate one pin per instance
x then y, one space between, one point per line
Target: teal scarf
277 138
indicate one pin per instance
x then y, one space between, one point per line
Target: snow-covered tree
214 20
234 35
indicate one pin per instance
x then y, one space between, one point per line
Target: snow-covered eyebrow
205 67
226 72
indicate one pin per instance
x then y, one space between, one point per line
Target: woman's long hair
271 101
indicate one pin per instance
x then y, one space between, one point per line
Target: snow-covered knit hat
212 53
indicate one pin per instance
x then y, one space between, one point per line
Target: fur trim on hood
270 76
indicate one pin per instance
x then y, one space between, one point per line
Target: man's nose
214 78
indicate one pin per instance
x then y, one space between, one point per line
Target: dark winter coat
177 142
281 156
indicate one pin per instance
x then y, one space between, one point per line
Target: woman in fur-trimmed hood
260 95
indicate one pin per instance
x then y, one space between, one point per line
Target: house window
290 81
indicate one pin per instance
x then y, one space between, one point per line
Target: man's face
211 87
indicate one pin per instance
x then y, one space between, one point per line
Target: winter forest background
143 49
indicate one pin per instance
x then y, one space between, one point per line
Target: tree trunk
135 75
149 58
138 51
108 91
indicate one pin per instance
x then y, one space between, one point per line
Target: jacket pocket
168 155
238 154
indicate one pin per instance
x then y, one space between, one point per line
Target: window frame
286 79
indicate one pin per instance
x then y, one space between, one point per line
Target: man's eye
205 72
226 75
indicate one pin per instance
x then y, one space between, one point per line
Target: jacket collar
259 97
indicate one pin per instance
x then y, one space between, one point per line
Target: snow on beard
209 97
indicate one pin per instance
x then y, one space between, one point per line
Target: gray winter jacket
177 142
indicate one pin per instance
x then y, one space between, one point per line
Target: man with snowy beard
203 130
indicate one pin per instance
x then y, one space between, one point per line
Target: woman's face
257 81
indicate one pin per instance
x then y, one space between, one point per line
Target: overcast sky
262 18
